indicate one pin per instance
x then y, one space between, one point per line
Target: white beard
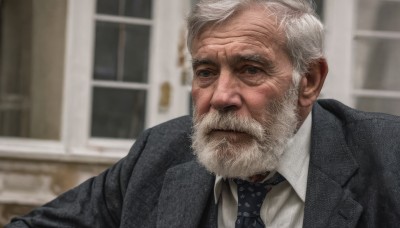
261 149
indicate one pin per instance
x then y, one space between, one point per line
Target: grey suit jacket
353 181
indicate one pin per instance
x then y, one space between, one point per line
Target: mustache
229 121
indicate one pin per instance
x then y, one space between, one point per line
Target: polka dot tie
250 198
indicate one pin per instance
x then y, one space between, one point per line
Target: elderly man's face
240 65
242 72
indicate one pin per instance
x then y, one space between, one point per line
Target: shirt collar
293 164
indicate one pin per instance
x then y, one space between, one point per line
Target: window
84 78
377 56
121 63
31 68
363 46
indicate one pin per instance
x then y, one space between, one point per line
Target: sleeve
95 203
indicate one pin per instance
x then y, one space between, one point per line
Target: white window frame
75 143
340 20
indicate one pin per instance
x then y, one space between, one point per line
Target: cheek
256 104
201 101
258 97
258 100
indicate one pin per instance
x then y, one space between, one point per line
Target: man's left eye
251 70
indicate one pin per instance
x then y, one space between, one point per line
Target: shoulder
361 127
348 116
373 141
169 141
373 138
175 126
174 133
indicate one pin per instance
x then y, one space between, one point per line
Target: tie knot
248 187
251 195
274 180
250 198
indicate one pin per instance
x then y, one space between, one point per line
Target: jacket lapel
328 203
185 197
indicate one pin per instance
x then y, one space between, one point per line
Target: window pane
377 64
13 123
130 8
391 106
118 113
378 15
136 59
138 8
108 7
32 39
106 51
121 52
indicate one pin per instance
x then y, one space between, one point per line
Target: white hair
297 18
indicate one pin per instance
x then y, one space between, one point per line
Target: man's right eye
204 73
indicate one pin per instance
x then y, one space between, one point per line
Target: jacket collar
328 203
186 199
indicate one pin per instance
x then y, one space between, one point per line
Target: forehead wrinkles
231 45
256 28
234 50
233 42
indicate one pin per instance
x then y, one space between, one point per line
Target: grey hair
302 27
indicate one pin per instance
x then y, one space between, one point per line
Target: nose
226 94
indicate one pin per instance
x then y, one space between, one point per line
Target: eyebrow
252 58
198 62
236 60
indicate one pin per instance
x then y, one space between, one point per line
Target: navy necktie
250 198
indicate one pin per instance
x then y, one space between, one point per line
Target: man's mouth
228 134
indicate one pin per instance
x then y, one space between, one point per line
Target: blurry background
80 79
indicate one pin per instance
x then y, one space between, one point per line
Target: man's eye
204 73
251 70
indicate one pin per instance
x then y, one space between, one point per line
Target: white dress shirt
284 204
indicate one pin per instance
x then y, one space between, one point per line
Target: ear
311 83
